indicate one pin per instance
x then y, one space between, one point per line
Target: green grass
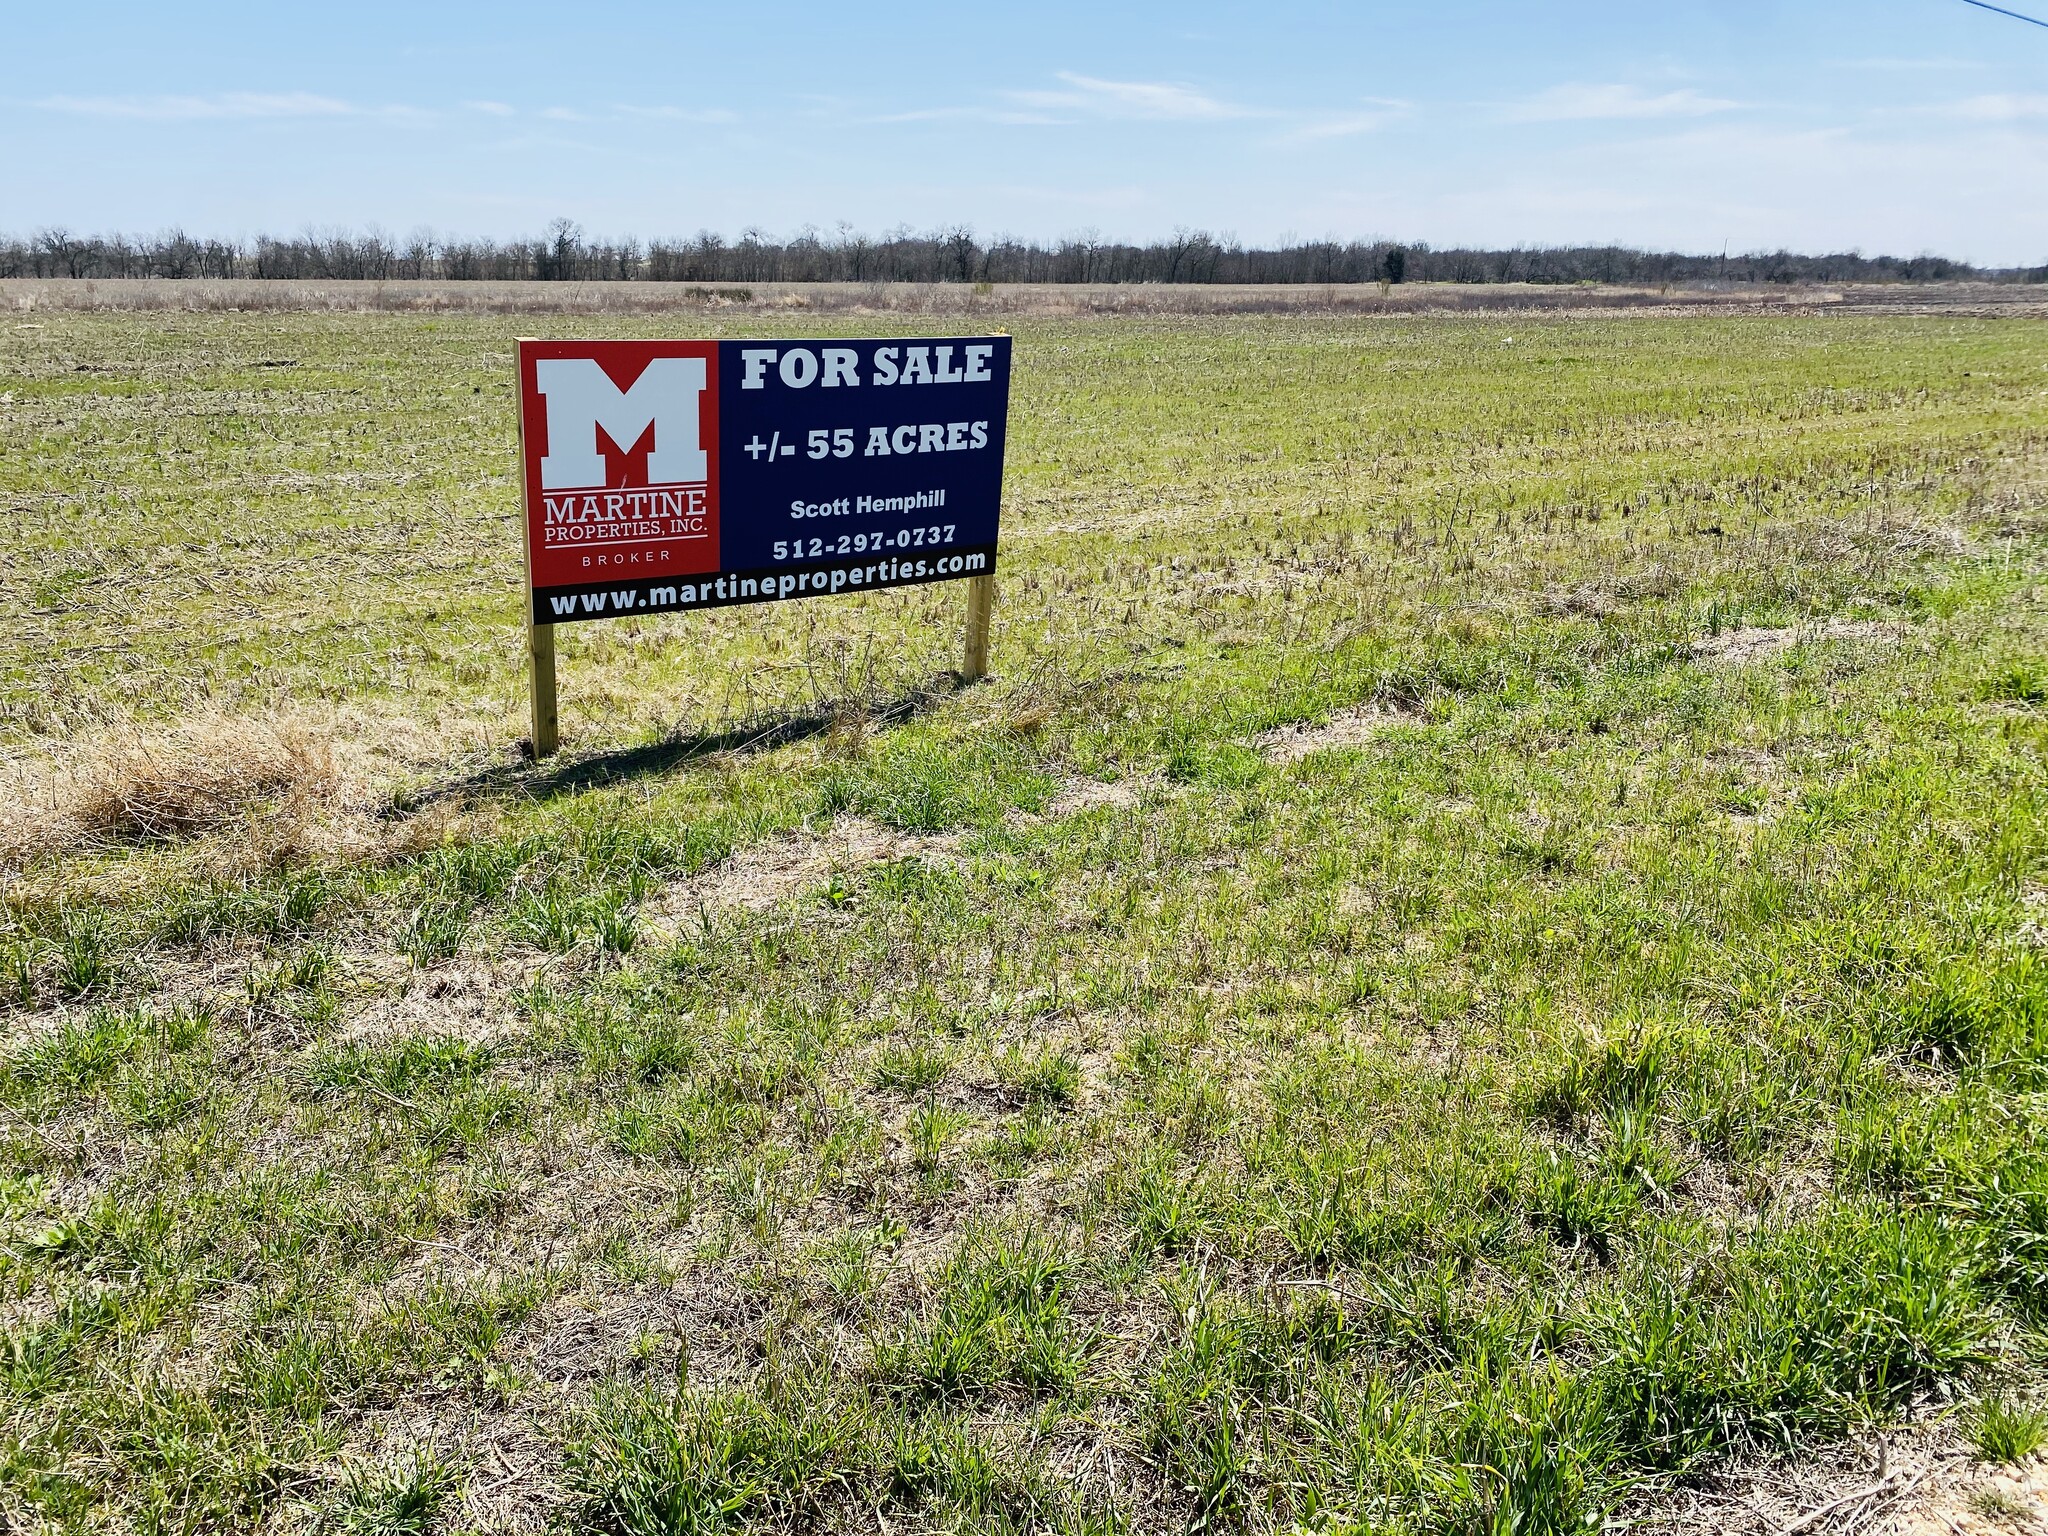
1616 1044
359 506
2008 1432
399 1500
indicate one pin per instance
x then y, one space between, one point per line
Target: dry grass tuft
251 791
272 776
209 774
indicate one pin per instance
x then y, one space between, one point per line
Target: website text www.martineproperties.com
563 605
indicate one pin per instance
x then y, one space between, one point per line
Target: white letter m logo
581 399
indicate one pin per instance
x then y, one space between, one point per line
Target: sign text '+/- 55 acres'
886 442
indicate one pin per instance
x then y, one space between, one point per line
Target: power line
1985 5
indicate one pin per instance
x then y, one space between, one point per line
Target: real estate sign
668 475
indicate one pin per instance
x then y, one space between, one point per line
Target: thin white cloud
1587 103
1379 111
2004 107
972 115
1089 98
259 104
1905 64
682 114
227 104
1152 100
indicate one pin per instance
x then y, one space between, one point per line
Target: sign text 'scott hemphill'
663 475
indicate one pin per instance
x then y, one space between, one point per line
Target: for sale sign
664 475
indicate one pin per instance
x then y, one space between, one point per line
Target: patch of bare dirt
508 1462
1832 1494
1977 1500
1078 795
1740 647
512 1484
469 998
2033 929
700 1328
757 878
1346 728
768 874
1919 1480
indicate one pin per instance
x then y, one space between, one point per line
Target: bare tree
957 252
65 254
855 251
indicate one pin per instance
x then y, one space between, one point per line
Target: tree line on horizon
948 255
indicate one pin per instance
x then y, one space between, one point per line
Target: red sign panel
607 497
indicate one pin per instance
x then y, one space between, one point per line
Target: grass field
1482 956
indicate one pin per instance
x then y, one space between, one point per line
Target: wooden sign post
540 655
981 599
540 637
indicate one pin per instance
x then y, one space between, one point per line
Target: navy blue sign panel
835 450
674 475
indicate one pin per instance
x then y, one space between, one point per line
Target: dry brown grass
205 774
276 782
25 294
208 774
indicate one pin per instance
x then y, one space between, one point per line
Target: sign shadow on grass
761 733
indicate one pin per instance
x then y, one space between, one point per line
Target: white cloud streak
1598 103
1378 112
1905 64
1973 191
225 105
1092 99
1147 100
228 106
2000 108
998 115
681 114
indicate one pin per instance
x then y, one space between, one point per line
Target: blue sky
1899 125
